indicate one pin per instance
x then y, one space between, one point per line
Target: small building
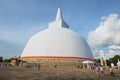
15 61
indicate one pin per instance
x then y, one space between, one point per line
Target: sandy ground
52 73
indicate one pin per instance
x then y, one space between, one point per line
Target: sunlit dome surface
57 41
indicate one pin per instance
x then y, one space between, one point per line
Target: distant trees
7 60
1 58
114 60
108 62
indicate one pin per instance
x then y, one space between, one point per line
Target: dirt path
52 73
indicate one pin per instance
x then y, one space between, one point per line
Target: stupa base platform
54 60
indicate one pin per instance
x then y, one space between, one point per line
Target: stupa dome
57 41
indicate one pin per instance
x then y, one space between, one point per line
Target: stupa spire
59 14
59 22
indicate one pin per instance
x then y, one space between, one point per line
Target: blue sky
21 19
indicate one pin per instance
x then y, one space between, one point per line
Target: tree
115 59
7 60
108 62
1 58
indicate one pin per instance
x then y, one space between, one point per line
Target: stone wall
53 61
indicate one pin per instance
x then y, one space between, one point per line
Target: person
112 65
118 65
111 72
97 71
38 66
88 67
85 66
55 65
93 66
81 66
101 69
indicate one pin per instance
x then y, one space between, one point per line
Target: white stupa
57 41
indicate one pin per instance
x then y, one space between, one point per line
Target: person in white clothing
101 70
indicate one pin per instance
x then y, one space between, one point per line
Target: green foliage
115 59
108 62
7 60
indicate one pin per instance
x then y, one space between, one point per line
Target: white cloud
107 33
114 47
111 53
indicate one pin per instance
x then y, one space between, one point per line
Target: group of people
100 70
